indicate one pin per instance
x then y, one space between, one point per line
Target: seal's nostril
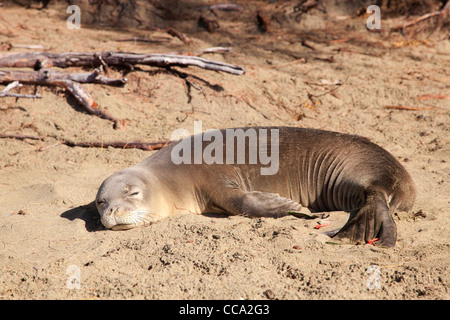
111 211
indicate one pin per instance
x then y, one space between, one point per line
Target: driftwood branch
42 61
38 60
147 146
71 83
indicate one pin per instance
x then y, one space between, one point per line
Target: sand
341 78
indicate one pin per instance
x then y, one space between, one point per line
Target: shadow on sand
88 213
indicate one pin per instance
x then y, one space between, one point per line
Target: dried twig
215 50
203 51
147 146
303 7
18 137
11 86
19 95
5 92
28 46
432 96
439 13
367 53
179 35
337 86
305 44
422 18
140 39
302 60
40 60
89 103
409 108
330 59
222 6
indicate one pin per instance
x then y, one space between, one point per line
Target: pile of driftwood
44 75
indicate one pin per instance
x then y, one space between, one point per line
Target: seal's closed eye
134 194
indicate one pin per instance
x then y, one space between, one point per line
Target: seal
320 170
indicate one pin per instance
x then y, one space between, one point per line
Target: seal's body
321 170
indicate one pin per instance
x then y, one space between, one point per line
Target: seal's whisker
145 216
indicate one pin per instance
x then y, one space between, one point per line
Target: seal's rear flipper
259 204
373 220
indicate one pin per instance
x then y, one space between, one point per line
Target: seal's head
124 200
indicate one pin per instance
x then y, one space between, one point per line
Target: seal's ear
258 204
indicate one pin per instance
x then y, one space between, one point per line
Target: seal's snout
122 217
108 217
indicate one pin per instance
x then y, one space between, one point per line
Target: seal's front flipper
303 214
259 204
372 221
